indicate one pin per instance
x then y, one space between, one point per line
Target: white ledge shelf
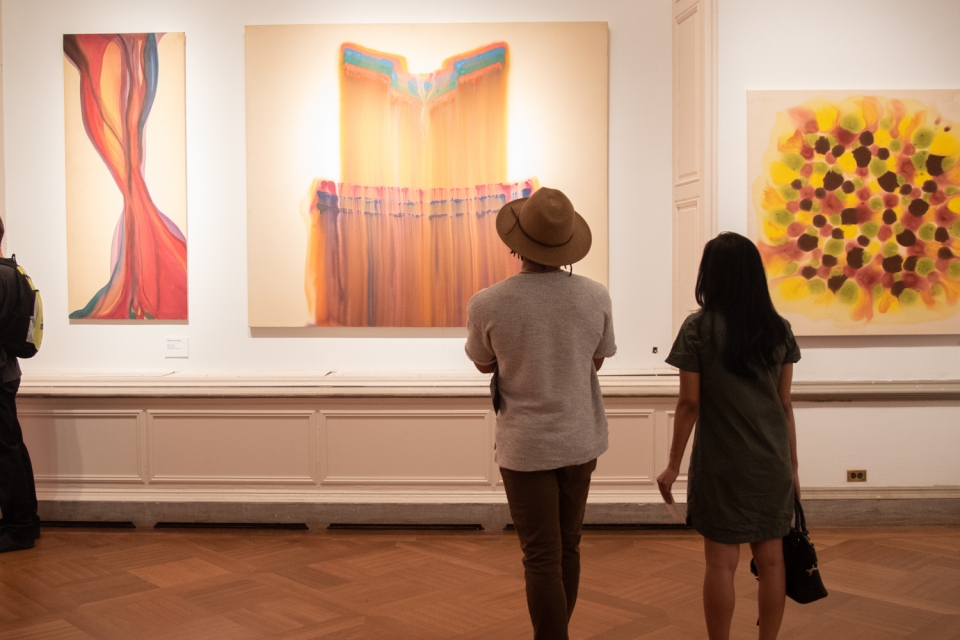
339 385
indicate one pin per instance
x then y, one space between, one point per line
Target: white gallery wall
854 45
219 339
846 45
763 44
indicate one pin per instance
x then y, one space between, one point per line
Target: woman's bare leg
768 555
718 594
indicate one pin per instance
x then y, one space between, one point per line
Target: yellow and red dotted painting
856 209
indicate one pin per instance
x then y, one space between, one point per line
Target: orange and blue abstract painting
119 76
379 155
408 235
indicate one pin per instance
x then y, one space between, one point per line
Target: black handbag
804 583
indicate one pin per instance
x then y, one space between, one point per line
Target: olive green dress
740 486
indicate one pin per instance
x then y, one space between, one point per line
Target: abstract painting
406 157
856 208
126 208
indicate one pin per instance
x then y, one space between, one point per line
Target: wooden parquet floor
884 584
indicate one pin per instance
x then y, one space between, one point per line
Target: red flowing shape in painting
118 83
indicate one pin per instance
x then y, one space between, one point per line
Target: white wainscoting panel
631 459
229 447
397 447
74 445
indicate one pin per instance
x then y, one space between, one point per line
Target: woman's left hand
665 483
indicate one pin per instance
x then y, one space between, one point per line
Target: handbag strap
801 520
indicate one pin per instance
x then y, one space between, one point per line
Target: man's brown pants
547 510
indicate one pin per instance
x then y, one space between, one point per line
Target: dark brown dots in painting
893 264
863 156
888 182
807 242
918 207
855 257
907 238
832 180
935 165
836 282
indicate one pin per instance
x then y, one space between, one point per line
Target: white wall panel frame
482 457
646 420
38 455
310 477
694 144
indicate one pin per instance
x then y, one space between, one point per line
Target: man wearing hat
544 334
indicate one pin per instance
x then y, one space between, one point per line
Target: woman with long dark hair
736 357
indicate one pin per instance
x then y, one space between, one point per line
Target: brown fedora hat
545 228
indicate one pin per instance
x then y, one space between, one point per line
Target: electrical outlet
857 475
656 350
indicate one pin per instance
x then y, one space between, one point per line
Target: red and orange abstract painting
112 83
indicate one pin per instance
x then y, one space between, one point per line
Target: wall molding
493 517
439 495
648 418
653 385
880 493
155 416
325 449
135 479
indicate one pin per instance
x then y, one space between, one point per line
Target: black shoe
10 542
35 531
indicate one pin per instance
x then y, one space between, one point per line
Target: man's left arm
478 347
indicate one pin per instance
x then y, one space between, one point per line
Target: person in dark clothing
736 357
19 526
